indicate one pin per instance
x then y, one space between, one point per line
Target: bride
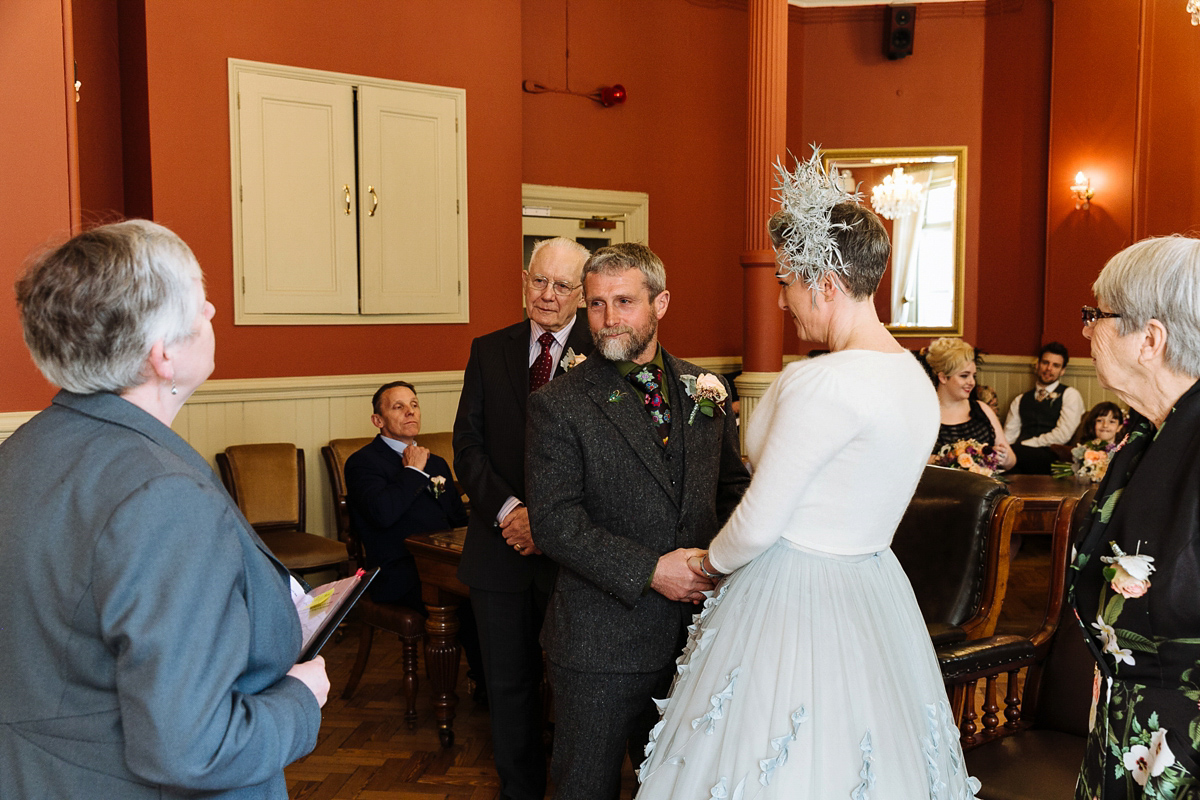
809 672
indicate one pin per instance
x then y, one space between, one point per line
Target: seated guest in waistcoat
1046 415
395 489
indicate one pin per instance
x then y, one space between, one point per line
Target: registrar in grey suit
145 631
606 500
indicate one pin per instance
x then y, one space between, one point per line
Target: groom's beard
624 349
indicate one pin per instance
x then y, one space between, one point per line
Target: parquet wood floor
365 751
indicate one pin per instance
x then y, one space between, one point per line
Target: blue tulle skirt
808 675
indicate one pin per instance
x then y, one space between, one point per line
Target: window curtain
906 232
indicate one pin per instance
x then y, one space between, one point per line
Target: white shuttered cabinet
349 198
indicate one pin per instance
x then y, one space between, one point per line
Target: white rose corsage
707 391
1129 576
437 485
571 360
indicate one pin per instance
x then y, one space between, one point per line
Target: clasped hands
680 575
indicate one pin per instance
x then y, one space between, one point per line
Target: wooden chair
953 543
267 483
406 623
1035 751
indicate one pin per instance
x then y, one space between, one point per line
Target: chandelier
898 196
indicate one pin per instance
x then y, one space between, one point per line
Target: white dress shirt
535 349
400 447
1068 419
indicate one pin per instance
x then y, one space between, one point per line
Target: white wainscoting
1012 375
308 412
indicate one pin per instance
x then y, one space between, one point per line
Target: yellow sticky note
320 600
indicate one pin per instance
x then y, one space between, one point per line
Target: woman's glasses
1091 314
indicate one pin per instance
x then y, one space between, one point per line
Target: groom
624 476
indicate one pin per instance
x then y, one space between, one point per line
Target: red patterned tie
543 368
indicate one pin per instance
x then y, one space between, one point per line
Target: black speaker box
899 25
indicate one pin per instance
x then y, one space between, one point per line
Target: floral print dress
1135 586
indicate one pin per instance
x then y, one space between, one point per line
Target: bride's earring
174 390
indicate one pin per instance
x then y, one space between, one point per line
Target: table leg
442 655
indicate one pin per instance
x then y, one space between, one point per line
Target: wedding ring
517 547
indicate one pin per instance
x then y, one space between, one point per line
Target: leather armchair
953 543
1035 751
267 482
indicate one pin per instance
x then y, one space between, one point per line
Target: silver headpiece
807 195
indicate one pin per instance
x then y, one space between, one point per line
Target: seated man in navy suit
394 489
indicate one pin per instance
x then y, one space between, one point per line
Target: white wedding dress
809 673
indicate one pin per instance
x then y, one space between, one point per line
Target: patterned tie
649 380
542 369
1040 395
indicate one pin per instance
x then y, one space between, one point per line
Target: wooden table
1042 495
437 556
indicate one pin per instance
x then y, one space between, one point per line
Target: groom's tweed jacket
606 499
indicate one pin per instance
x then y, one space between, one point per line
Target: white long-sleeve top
838 444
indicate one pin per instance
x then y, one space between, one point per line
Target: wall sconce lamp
607 96
1083 191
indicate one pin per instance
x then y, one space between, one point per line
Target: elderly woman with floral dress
1134 581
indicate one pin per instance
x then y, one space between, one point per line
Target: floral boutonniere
616 396
708 392
437 485
571 360
1129 576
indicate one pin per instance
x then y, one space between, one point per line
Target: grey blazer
146 631
602 504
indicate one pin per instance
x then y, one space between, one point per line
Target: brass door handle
346 190
374 201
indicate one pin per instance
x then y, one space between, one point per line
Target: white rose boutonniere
571 360
437 485
1129 576
707 391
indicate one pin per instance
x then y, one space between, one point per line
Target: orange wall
97 59
1012 178
1169 163
464 43
35 204
681 138
853 96
1094 129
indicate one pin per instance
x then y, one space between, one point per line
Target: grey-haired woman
1134 581
148 640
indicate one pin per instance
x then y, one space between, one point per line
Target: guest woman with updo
147 637
951 364
1134 581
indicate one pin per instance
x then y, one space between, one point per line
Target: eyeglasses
1091 314
561 288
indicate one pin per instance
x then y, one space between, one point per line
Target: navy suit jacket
388 503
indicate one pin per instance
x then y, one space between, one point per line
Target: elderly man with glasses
509 577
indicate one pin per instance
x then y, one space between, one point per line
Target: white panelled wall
310 411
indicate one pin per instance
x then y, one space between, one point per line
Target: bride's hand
696 562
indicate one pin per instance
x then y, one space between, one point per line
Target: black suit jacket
389 502
489 453
604 503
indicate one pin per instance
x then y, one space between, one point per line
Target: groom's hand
674 579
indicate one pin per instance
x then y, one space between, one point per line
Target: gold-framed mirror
920 193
